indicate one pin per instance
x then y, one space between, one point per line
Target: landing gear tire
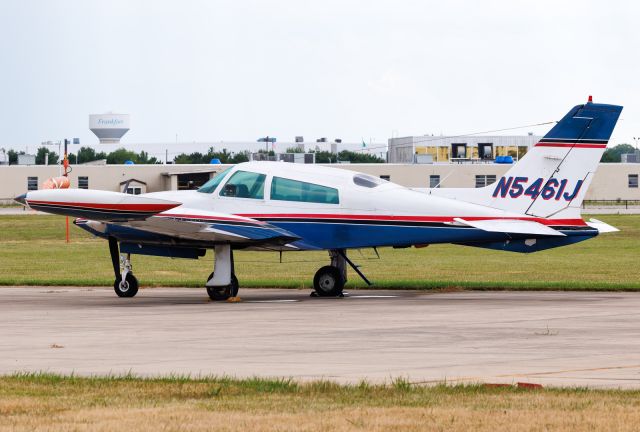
328 282
223 293
126 288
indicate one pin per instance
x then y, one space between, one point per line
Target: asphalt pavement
550 338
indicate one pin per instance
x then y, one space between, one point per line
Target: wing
95 204
192 226
105 213
209 226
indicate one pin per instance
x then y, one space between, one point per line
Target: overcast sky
237 70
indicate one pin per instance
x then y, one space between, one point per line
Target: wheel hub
327 282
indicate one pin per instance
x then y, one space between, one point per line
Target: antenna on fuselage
440 182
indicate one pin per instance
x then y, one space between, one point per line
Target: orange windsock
56 183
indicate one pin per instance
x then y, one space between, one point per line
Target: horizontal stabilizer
510 226
602 227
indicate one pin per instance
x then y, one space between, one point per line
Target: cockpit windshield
244 184
212 184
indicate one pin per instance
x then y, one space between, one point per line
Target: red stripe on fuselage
157 208
250 218
392 218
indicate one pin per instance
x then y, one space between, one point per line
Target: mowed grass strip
34 253
48 402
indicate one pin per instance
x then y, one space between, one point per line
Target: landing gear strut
222 283
329 280
125 284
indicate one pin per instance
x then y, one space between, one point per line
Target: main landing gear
222 283
329 280
125 284
225 292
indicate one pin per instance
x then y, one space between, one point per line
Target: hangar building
463 148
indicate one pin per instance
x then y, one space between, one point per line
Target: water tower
110 127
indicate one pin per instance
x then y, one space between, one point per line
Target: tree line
121 155
232 158
614 154
84 155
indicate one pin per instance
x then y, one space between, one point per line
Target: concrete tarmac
550 338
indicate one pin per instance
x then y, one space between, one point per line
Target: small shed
133 186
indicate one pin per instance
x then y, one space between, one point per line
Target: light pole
266 140
64 163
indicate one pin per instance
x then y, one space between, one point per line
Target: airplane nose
22 199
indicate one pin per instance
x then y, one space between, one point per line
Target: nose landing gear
125 284
127 287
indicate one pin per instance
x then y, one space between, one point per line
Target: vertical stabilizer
551 180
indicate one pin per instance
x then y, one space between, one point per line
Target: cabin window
292 190
434 181
366 180
212 184
32 183
386 177
83 182
243 184
633 180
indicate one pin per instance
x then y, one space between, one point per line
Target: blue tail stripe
577 124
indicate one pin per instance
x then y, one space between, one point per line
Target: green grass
54 402
34 253
50 384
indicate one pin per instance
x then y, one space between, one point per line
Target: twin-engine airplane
275 206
